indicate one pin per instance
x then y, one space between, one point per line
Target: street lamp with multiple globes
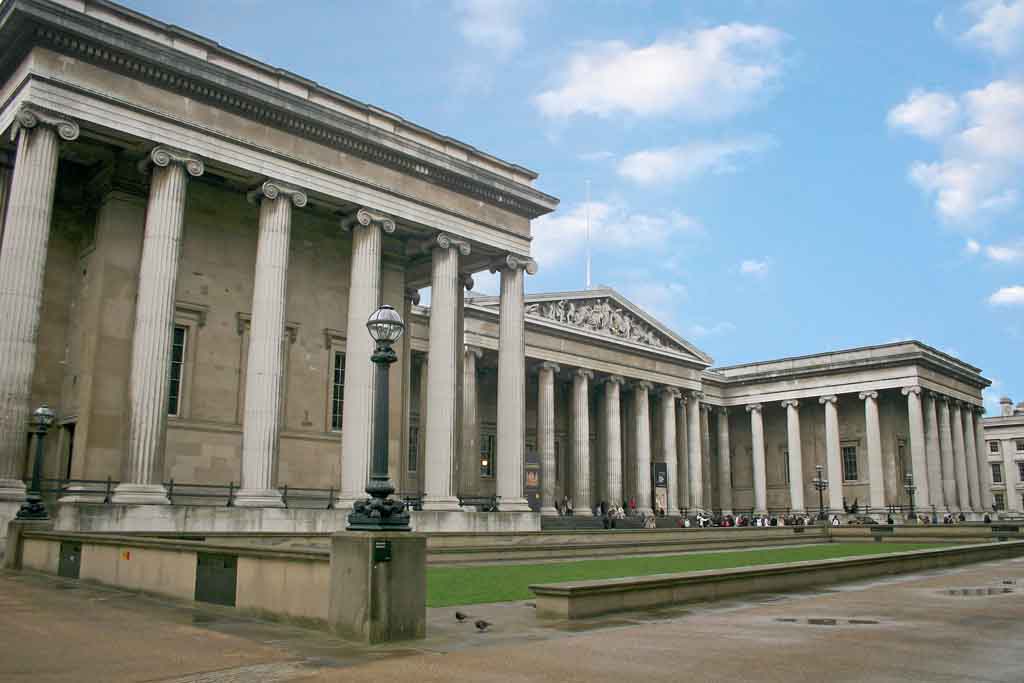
821 484
33 507
378 512
910 489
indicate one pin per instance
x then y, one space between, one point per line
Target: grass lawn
501 583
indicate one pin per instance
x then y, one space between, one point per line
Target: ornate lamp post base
378 514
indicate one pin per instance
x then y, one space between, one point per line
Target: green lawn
500 583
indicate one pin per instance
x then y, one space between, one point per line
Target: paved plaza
924 627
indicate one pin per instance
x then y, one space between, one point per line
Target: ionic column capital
583 373
466 280
868 394
707 407
412 294
722 410
364 218
474 351
906 391
514 262
553 367
753 407
163 157
669 392
273 189
790 403
695 395
28 118
614 379
833 399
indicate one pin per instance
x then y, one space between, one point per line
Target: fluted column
642 416
970 450
667 413
876 476
960 457
546 435
142 470
724 463
22 267
581 442
511 382
933 455
918 457
984 471
424 406
759 465
694 458
833 456
705 451
681 448
364 297
5 190
796 457
946 447
469 453
613 439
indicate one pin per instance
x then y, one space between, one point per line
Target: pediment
605 312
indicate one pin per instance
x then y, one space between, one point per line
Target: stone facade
1003 445
193 241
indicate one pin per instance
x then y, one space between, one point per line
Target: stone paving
950 625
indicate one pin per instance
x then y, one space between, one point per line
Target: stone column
22 267
5 190
511 382
959 457
681 448
364 297
143 469
796 457
642 416
443 378
261 425
424 405
724 462
546 435
613 438
833 455
876 477
705 451
694 459
760 468
470 450
918 458
946 447
933 456
667 413
581 442
984 471
970 448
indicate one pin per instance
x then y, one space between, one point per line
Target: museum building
192 244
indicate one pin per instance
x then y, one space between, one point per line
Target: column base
258 498
549 512
513 505
585 512
12 489
441 503
672 512
140 494
640 511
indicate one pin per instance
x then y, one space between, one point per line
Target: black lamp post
821 484
378 512
910 489
33 507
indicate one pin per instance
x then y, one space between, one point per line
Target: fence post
106 494
330 499
170 492
231 495
284 495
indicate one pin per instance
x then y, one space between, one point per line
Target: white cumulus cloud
1008 296
999 26
683 162
492 24
754 267
927 114
702 74
973 247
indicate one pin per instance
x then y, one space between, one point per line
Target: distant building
1004 447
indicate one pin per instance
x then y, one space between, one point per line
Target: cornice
28 23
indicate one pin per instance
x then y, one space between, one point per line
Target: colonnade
22 266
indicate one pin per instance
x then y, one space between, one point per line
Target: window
1020 471
414 446
558 460
997 473
785 465
177 368
1020 445
901 460
338 394
999 500
849 463
993 446
487 455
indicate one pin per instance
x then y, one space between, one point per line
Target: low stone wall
579 599
931 533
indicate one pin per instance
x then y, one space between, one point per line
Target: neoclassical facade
1004 450
193 240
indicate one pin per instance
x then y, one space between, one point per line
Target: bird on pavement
460 617
481 625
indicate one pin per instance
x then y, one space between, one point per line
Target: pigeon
481 625
460 617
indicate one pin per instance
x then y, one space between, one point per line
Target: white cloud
1004 254
680 163
697 330
927 114
754 267
560 236
703 74
982 158
1008 296
999 28
660 299
492 24
973 247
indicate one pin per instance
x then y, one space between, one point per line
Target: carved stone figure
598 315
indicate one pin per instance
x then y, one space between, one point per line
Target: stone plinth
474 522
374 600
15 528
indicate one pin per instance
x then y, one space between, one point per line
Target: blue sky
769 178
